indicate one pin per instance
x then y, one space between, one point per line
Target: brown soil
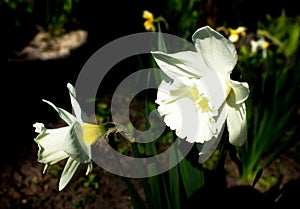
25 186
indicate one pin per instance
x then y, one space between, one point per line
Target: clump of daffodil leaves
72 141
201 96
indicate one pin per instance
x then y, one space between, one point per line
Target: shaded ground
24 186
28 188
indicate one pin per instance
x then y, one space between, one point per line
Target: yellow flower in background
234 34
260 44
149 23
202 97
150 20
73 141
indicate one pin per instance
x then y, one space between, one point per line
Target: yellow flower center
266 44
91 132
228 89
201 102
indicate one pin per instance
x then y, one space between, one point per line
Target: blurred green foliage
283 31
91 181
186 14
50 15
55 16
17 7
272 107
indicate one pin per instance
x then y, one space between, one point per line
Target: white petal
172 119
63 114
80 115
170 92
68 172
188 64
240 89
241 29
217 51
50 142
167 106
75 146
237 124
89 168
201 126
189 123
168 96
181 113
214 87
208 147
233 38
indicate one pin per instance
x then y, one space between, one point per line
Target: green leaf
145 184
159 192
257 176
161 44
192 178
136 200
156 201
174 179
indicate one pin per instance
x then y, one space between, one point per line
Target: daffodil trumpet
72 142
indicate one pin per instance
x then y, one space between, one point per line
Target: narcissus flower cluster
201 97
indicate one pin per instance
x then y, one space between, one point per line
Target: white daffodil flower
260 44
202 97
72 141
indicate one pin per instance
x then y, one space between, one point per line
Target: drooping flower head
72 141
149 22
202 97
